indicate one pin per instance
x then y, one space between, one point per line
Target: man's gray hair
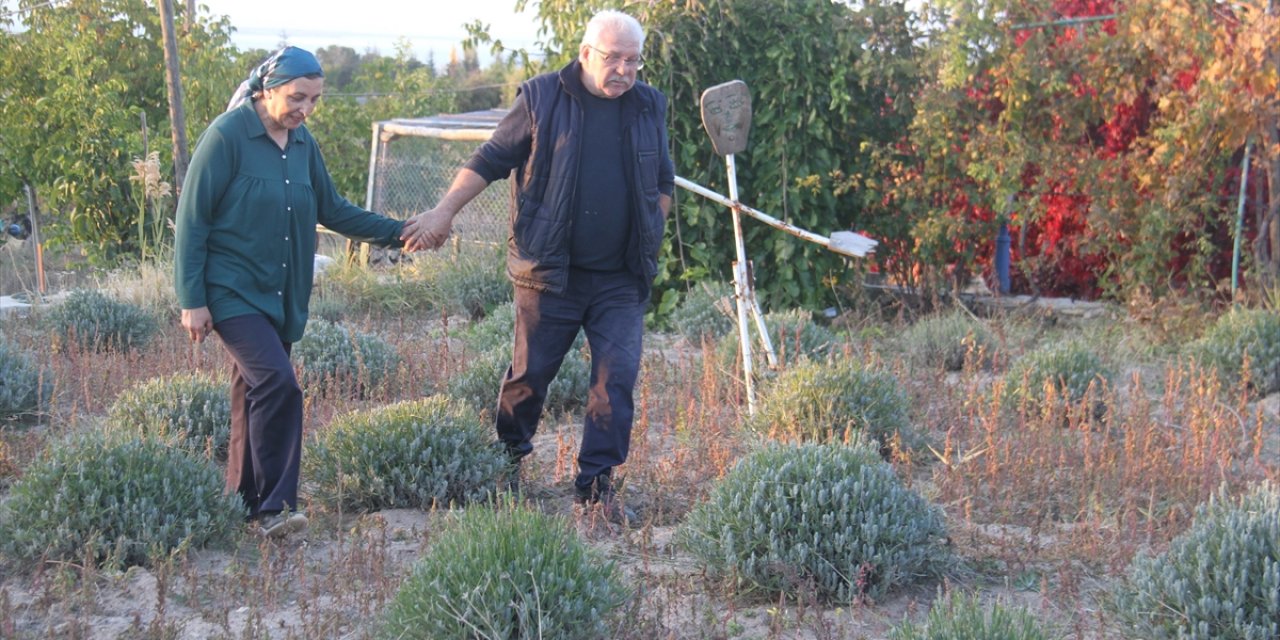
611 20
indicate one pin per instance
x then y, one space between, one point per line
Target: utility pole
32 211
173 81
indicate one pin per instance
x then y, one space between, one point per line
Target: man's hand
427 230
197 322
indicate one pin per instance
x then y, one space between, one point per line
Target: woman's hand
197 322
427 230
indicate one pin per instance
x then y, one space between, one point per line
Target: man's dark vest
545 185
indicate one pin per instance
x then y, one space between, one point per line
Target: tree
382 88
1107 136
211 69
340 64
79 81
1002 135
1213 82
478 89
74 114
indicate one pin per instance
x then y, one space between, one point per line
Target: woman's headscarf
283 66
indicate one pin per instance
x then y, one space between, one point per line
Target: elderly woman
245 245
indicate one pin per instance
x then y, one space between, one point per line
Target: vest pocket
647 171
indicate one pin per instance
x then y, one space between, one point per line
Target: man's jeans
609 308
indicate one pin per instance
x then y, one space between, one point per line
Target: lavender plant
831 518
188 410
507 572
115 502
1220 579
412 454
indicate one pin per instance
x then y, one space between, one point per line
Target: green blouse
246 222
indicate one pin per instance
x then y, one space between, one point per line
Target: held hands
427 230
197 322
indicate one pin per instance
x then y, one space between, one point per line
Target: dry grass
1046 507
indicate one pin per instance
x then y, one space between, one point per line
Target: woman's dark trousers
265 452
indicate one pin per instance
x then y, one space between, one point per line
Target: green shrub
116 502
343 358
509 572
407 455
89 319
494 331
189 410
478 382
488 354
945 341
797 337
961 617
1251 332
472 284
24 384
147 284
819 402
1220 579
794 335
708 311
329 309
1070 367
361 289
478 378
832 518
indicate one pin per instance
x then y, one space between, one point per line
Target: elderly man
593 184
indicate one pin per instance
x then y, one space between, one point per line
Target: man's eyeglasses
612 59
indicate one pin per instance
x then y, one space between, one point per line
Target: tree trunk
1269 231
1267 250
1259 212
173 81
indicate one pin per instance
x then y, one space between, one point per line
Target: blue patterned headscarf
283 66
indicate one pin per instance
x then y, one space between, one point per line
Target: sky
432 27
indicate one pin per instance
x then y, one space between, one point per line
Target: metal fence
412 164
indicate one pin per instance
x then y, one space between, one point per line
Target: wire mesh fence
414 164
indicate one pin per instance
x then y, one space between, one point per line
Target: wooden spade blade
726 115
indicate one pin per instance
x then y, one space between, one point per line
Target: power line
437 89
20 11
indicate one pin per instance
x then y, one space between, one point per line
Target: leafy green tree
74 113
340 65
79 81
476 88
381 88
342 128
211 69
